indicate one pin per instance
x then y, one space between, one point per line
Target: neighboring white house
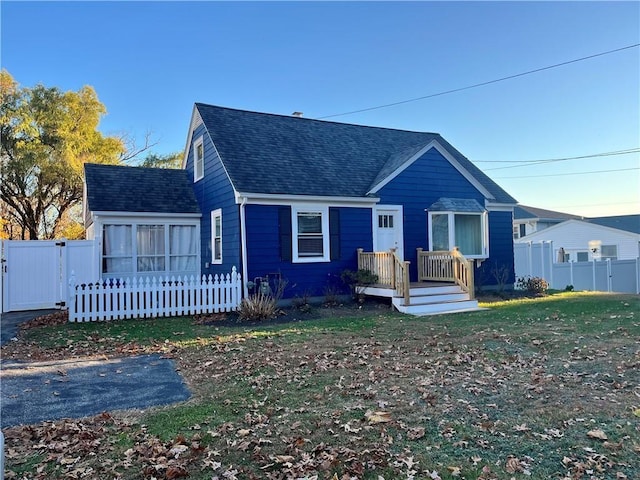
591 239
527 220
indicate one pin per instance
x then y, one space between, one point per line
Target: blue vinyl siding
212 192
500 250
263 247
418 187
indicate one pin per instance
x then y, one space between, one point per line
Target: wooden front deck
445 281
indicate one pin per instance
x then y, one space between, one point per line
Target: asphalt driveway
10 322
32 392
41 391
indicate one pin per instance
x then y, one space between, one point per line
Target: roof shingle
115 188
277 154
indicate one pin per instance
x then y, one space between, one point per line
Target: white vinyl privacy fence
538 260
148 297
35 272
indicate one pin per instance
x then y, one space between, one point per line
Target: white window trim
323 210
134 246
216 214
484 225
197 143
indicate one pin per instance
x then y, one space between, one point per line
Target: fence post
571 272
637 274
551 264
609 273
594 274
72 296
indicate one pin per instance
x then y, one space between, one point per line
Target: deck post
360 250
407 285
392 267
420 265
471 280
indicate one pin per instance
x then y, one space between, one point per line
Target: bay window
466 230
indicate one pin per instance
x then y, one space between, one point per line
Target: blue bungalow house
302 200
297 200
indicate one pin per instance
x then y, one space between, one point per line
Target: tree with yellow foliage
46 136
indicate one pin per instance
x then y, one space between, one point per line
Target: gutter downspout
243 247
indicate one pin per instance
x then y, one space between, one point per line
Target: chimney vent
297 114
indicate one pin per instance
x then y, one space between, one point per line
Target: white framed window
310 226
609 251
216 236
149 248
117 249
582 256
183 248
467 231
198 159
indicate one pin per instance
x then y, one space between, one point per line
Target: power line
604 154
570 174
480 84
598 204
553 160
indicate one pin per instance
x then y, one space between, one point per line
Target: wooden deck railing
445 266
389 268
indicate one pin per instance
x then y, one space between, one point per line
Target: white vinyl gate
34 272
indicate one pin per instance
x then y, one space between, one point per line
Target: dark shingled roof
629 223
522 211
468 205
277 154
114 188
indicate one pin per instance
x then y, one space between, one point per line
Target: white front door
387 229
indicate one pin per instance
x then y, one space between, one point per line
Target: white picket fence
145 297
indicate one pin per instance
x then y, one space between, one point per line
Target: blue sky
150 61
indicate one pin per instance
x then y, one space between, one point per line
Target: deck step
439 308
428 300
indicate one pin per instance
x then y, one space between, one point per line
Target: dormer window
198 159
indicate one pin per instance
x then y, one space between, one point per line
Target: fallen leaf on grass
415 433
176 472
455 471
599 434
284 458
377 417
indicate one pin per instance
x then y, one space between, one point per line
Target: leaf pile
511 393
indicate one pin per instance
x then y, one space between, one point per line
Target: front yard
541 388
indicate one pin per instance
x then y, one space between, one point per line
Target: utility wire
598 204
554 160
480 84
592 155
570 174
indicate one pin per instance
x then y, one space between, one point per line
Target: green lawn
536 388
